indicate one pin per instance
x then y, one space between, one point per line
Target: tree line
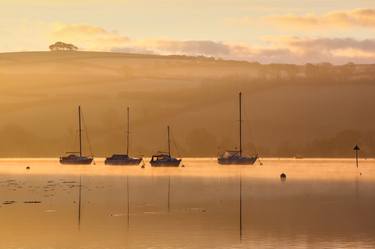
62 46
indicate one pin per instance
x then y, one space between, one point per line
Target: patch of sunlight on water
324 203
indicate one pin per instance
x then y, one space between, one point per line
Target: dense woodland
290 110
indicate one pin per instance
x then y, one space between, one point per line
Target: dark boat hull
123 162
173 163
237 161
76 161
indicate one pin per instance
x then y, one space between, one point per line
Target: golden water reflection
322 204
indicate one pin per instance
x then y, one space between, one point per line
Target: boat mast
127 133
169 143
80 131
240 109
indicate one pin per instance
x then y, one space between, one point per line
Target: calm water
322 204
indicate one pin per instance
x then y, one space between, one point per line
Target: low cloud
336 19
278 50
334 50
88 36
168 47
274 49
332 44
193 47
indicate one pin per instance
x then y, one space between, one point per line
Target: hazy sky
291 31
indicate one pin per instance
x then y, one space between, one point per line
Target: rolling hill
306 110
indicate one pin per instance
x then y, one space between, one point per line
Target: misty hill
309 110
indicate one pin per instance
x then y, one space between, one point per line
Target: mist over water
323 203
312 110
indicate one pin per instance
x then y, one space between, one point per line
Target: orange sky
270 31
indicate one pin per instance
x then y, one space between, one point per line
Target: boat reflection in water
123 159
73 158
165 159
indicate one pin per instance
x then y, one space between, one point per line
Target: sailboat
235 156
73 158
164 159
123 159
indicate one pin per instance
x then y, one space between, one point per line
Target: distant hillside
310 110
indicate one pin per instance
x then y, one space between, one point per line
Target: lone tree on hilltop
62 46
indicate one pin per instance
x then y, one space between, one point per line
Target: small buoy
283 177
28 167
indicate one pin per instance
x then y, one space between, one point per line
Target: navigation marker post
356 149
